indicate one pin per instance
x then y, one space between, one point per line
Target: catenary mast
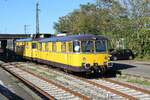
37 18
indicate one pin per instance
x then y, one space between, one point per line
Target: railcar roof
37 39
28 39
74 37
24 40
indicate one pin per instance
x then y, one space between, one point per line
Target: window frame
103 43
93 48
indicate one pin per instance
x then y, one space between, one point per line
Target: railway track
49 89
132 91
92 88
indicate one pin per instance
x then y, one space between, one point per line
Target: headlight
84 59
86 66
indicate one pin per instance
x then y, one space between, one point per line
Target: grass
135 80
146 58
44 74
33 69
146 83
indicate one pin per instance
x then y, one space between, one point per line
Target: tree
118 19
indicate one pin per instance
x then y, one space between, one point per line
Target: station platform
132 67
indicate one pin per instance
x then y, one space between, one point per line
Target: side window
50 46
54 47
27 45
46 46
24 44
63 47
40 46
70 47
76 46
34 46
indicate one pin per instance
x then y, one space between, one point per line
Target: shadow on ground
8 94
119 66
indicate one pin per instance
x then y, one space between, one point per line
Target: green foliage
118 19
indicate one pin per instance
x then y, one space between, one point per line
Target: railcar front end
90 55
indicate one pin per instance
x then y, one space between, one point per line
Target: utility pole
25 29
37 18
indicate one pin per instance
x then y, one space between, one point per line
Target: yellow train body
61 53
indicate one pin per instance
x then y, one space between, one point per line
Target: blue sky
14 14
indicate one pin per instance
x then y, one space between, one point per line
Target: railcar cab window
87 46
76 46
100 45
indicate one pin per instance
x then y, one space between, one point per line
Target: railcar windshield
87 46
100 45
90 46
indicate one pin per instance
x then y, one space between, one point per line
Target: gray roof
74 37
66 38
13 36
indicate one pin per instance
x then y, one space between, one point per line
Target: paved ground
12 89
133 67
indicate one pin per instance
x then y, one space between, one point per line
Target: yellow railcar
78 53
23 47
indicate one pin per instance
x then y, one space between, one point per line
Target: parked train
76 53
3 44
